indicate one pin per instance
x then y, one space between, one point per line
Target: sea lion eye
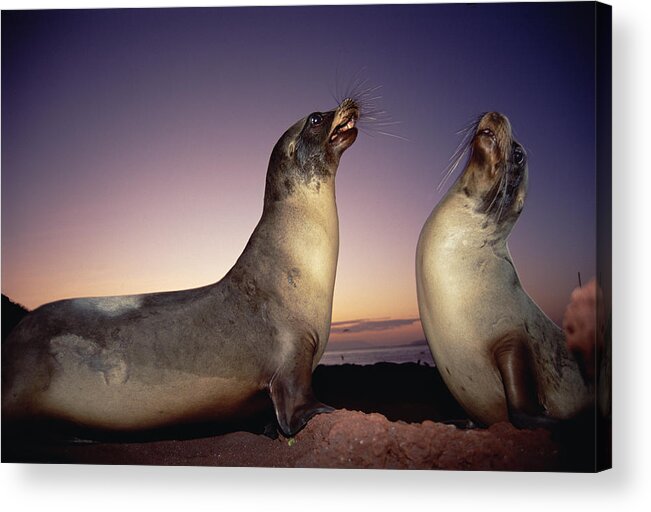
315 119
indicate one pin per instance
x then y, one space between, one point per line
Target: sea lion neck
462 215
286 179
312 219
293 186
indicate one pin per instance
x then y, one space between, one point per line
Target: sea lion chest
294 252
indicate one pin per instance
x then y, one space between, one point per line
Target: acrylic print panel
184 284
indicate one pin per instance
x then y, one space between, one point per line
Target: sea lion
499 354
214 353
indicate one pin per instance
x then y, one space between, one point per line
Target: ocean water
402 354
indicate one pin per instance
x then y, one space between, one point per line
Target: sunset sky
135 143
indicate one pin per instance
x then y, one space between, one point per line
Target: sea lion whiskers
510 181
499 129
372 112
354 85
497 194
372 118
395 136
502 192
355 82
462 150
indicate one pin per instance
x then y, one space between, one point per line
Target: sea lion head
308 153
495 178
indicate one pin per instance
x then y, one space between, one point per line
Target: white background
628 486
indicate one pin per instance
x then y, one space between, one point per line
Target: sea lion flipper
292 395
294 407
514 362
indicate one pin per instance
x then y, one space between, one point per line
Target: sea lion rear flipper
291 392
514 362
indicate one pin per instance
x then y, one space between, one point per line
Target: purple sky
135 142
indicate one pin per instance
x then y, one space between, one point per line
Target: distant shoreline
368 354
345 346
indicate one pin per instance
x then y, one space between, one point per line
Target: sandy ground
343 439
388 416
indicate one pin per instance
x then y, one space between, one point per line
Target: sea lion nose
348 104
494 119
500 126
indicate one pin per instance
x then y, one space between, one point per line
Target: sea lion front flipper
514 362
291 392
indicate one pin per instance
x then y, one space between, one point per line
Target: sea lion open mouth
341 129
344 123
